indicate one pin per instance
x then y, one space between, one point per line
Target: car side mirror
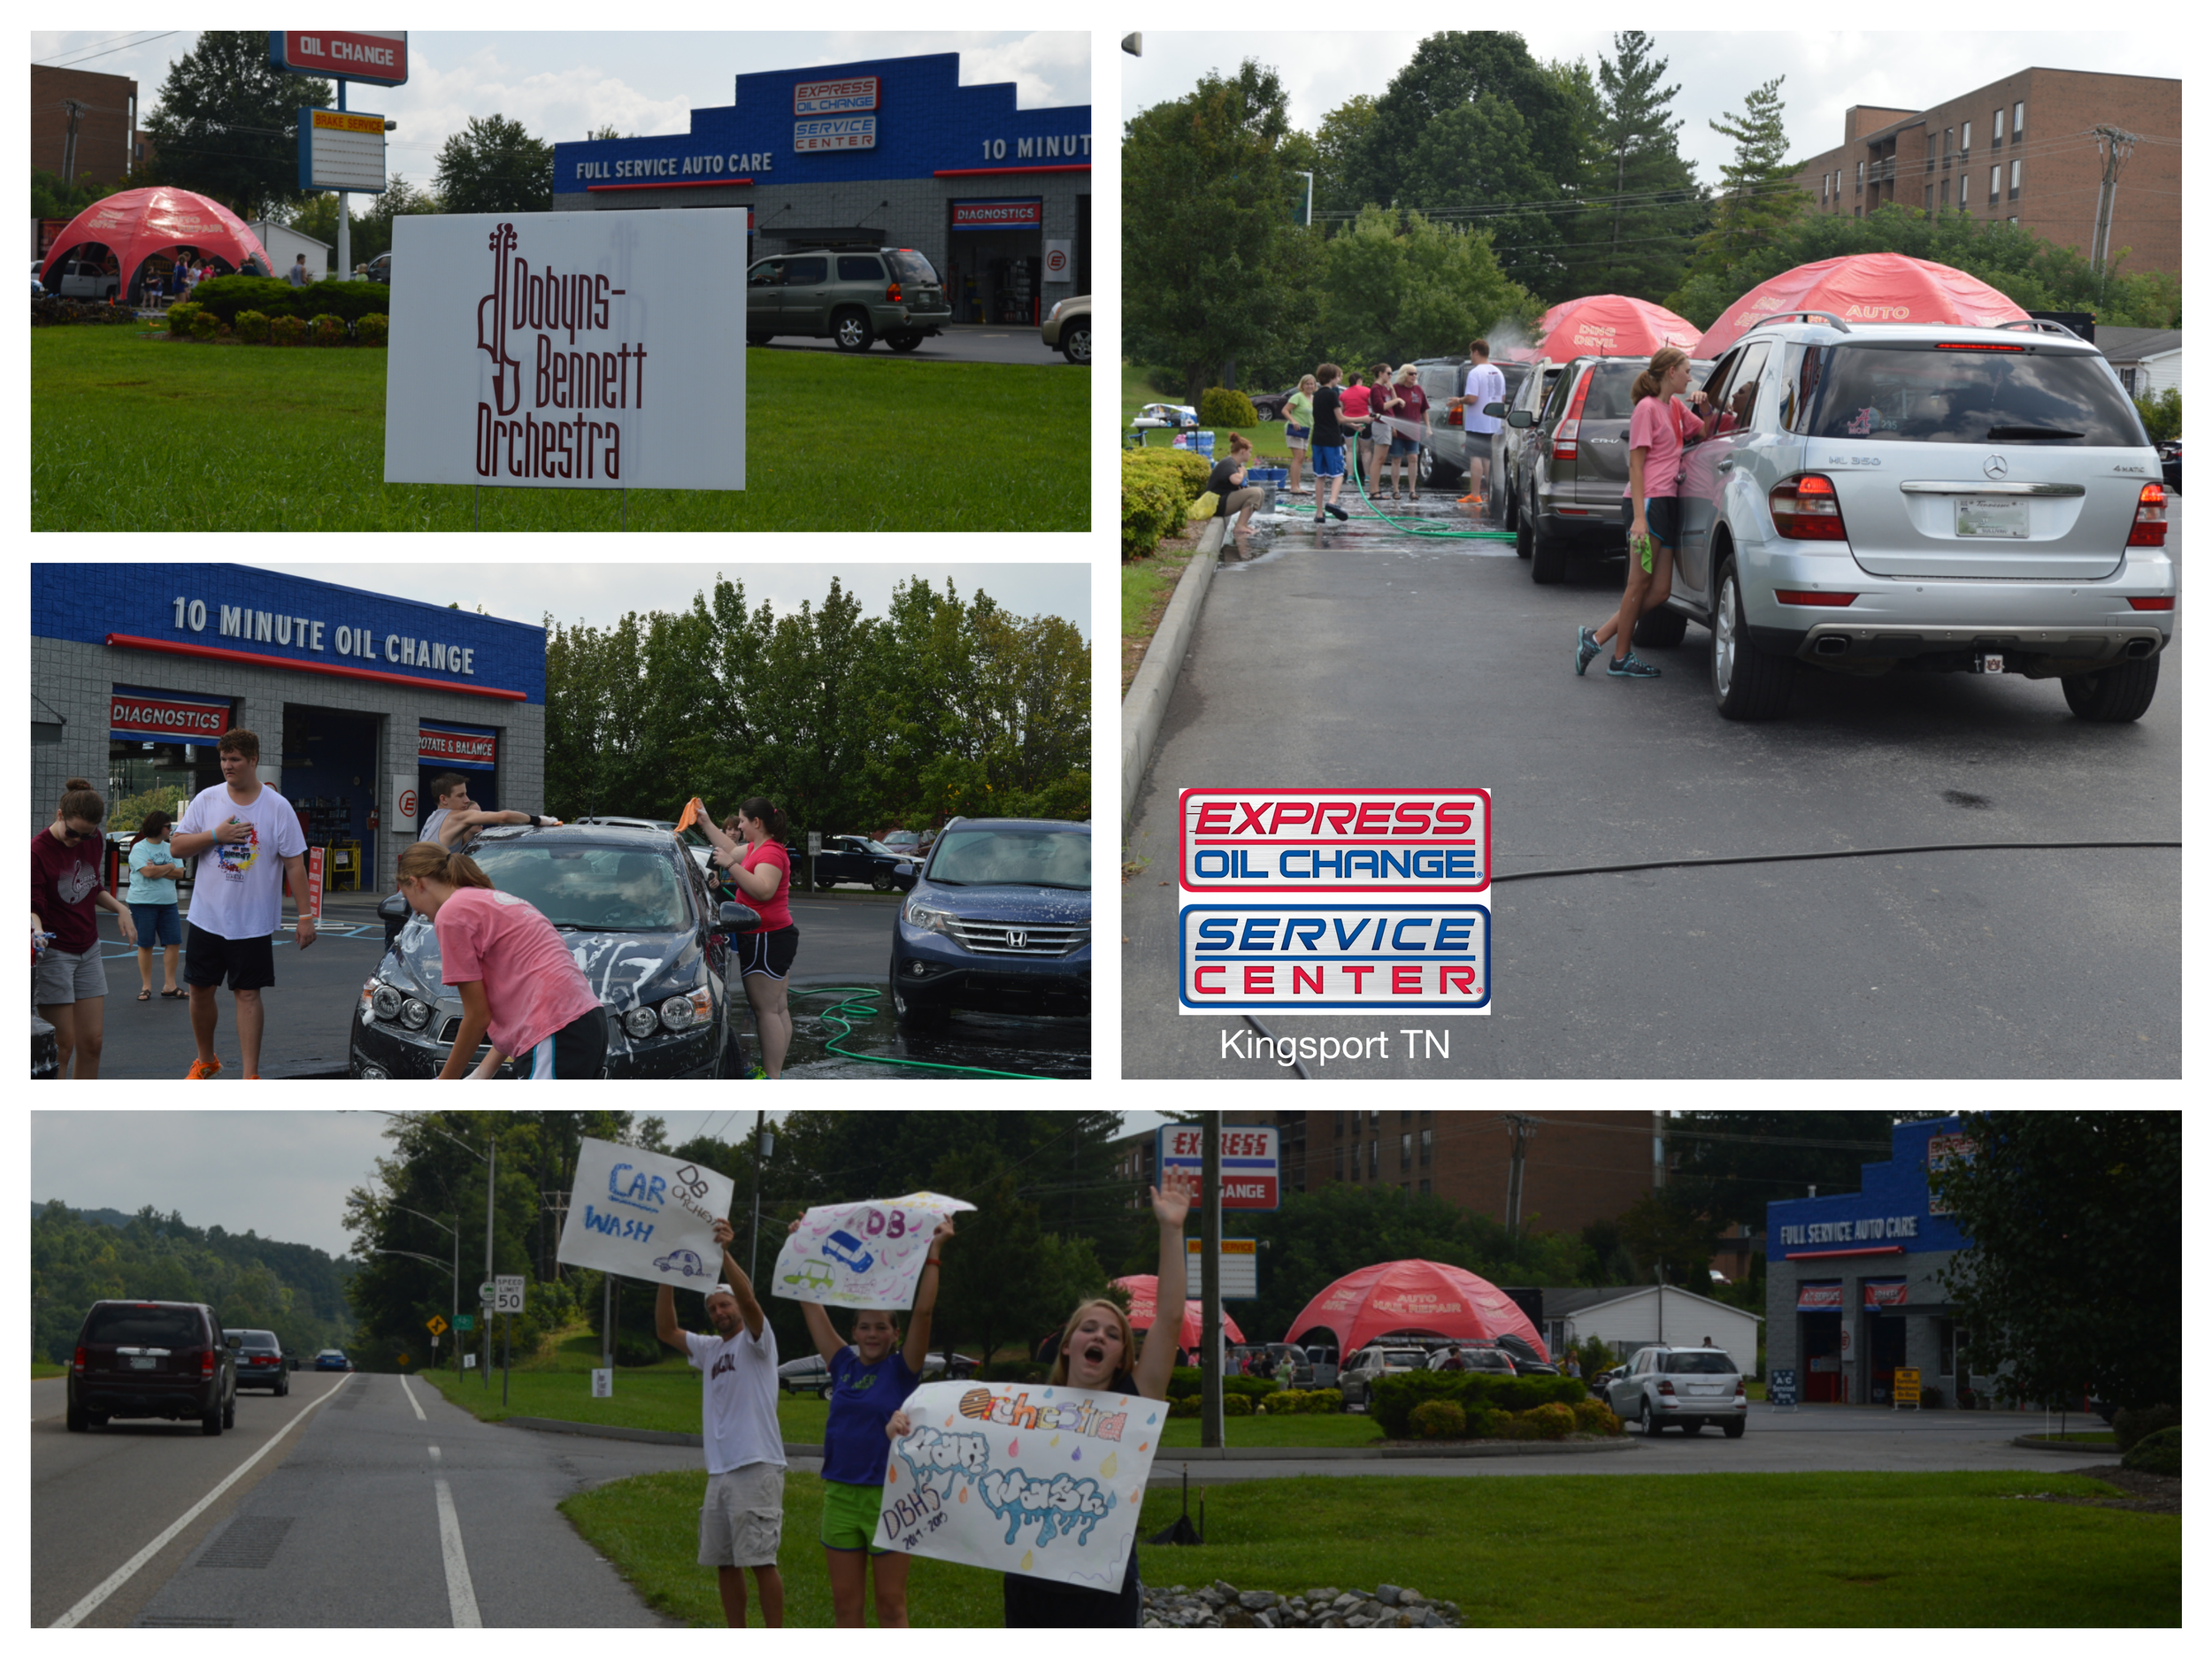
394 908
1520 417
1493 409
740 917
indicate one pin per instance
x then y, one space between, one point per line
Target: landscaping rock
1322 1598
1222 1606
1255 1601
1387 1594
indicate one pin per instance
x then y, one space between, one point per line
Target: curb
2037 1443
1145 707
649 1437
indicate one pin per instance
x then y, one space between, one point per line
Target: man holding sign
741 1525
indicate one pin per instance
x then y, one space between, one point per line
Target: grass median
1809 1550
47 1368
137 432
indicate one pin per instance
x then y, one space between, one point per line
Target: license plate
141 1362
2000 518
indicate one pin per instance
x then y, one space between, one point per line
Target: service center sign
1251 1162
379 58
566 351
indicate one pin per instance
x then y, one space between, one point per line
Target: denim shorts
1402 445
1328 460
156 925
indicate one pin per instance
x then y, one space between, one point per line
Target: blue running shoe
1586 649
1631 667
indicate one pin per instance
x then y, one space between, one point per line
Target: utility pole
1522 1127
763 1144
69 140
2115 147
1211 1432
491 1177
1658 1151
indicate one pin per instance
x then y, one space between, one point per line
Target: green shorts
849 1516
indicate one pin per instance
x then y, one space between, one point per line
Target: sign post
813 852
507 1299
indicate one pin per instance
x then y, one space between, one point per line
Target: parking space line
411 1401
123 1574
460 1592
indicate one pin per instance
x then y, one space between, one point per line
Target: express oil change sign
566 351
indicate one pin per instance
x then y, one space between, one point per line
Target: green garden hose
857 1005
1454 535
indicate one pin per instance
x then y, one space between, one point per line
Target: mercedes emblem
1995 467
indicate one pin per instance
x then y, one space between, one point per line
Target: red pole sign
315 883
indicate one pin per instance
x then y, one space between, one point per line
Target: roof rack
2042 325
1829 318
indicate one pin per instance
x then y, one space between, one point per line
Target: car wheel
1662 628
880 880
1075 343
752 338
1647 1421
901 343
230 1413
212 1422
822 1392
283 1387
77 1424
1733 1431
1513 510
850 330
2113 695
1748 684
1547 557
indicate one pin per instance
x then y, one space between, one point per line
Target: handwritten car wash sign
1021 1478
862 1255
566 351
645 1215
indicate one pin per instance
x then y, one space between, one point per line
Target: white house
1630 1317
286 244
2149 360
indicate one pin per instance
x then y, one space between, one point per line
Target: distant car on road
1473 1357
1173 414
380 269
333 1359
858 861
260 1361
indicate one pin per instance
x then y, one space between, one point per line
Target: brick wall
102 130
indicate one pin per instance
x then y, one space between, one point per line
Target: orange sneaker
202 1069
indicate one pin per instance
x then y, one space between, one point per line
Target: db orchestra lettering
523 313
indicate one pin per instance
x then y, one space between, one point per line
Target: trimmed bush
1594 1416
1236 1405
1489 1423
1189 1406
180 316
326 330
1552 1422
205 326
1188 1380
1158 487
252 328
1439 1420
375 329
1219 406
2129 1426
287 330
1396 1396
226 296
2156 1453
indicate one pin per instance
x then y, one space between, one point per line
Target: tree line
850 722
1479 187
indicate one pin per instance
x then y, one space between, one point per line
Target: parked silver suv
1929 497
1686 1387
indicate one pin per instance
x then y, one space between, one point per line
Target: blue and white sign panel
834 132
1313 958
1251 1162
1782 1388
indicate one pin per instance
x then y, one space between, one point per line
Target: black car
152 1359
641 921
999 921
2169 463
260 1359
858 861
1526 1361
380 269
1269 404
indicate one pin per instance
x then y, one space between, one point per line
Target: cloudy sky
1825 73
283 1174
561 85
600 593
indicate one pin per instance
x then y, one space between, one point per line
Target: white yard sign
862 1255
645 1215
567 350
1022 1477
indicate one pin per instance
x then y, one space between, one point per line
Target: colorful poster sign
862 1255
1303 841
644 1215
1823 1297
1884 1292
442 745
1904 1387
1782 1387
373 55
1022 1477
166 719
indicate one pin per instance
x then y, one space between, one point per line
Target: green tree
1213 266
1757 196
2073 1281
1667 1235
1338 146
1393 292
1728 1166
2161 414
1638 230
51 198
493 166
226 124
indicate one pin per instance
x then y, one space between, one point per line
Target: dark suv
153 1359
853 295
999 921
260 1359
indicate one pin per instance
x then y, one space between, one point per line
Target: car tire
230 1413
913 1017
1733 1431
1661 629
1513 512
1547 557
753 338
1075 343
76 1419
902 341
212 1422
850 329
1647 1421
1748 684
284 1388
880 880
2113 695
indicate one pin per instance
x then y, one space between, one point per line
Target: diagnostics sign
1290 842
1312 958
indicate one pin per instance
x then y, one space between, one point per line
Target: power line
89 55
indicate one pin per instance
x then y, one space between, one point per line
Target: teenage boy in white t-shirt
741 1525
237 896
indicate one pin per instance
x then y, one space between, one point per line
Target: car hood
1013 902
624 969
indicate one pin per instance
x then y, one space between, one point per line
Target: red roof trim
983 173
1871 1250
666 184
179 648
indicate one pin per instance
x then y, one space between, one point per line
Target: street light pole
760 1133
455 1233
1212 1432
491 1174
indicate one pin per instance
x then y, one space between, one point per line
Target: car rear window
909 266
1920 394
1610 386
859 268
1050 858
144 1327
1710 1363
598 889
257 1340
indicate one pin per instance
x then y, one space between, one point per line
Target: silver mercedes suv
1918 496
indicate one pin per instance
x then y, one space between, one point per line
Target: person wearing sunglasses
69 982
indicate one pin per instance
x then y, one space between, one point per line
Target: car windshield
143 1327
877 847
1024 857
603 889
1886 395
1704 1363
909 266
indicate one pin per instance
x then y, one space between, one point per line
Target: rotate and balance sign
566 351
1334 900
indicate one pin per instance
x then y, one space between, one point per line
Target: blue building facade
359 699
888 151
1853 1279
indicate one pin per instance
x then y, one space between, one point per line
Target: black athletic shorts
578 1049
249 964
1662 516
772 952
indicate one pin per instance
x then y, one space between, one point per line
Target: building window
1340 1162
1859 188
1425 1189
2014 220
1945 196
1996 179
1428 1150
2019 119
1949 133
1374 1158
2016 178
1997 125
1405 1153
1927 198
1966 140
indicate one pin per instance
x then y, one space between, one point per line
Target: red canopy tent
136 224
1144 1293
1423 1296
1610 326
1865 287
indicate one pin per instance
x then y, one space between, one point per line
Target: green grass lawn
1268 447
47 1368
1815 1550
131 433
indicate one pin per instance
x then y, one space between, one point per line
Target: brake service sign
566 351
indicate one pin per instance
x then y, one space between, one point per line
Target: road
382 1507
963 342
1354 657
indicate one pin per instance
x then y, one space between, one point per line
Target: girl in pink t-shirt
761 867
517 981
1657 430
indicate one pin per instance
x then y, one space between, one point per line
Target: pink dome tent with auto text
1865 287
1144 1292
136 224
1430 1298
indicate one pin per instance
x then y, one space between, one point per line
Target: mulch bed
2148 1495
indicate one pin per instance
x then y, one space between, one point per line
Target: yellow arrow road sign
436 1322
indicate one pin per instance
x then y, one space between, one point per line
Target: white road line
411 1401
460 1593
122 1575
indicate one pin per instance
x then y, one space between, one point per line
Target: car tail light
1665 1387
1563 441
77 1365
1805 596
892 294
1806 509
2154 602
207 1363
2150 518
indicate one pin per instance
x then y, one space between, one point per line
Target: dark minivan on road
152 1359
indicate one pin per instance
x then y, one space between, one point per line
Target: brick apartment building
105 121
2021 149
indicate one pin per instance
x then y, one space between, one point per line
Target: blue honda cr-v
999 921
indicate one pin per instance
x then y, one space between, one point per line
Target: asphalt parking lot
963 342
1356 656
